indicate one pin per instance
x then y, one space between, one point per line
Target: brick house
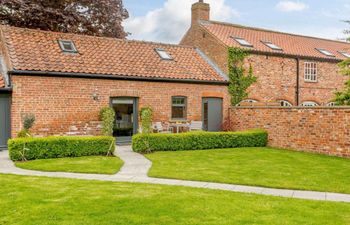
291 69
65 79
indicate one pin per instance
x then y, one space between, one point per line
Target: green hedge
198 141
59 147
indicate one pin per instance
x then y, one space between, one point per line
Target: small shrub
28 121
22 149
24 134
146 120
145 143
107 116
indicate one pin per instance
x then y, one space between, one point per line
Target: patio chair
196 126
159 128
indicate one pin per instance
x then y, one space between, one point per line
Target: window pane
178 110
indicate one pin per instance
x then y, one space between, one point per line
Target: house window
309 104
346 54
178 108
67 46
310 72
285 103
243 42
332 104
163 54
272 45
325 52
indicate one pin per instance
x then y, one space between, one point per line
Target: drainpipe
297 92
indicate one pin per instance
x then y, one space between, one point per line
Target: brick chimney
200 11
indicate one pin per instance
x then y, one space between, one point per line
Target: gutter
112 77
5 90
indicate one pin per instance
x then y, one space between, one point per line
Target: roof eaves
113 77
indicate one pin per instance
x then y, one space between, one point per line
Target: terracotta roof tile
34 50
291 44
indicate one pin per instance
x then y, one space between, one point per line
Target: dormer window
243 42
346 54
163 54
272 45
325 52
67 46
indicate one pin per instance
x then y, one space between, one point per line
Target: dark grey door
212 114
4 120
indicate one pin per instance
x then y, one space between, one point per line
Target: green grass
257 167
33 200
88 164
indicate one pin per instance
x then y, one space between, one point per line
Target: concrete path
136 167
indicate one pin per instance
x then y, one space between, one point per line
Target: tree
240 79
343 97
91 17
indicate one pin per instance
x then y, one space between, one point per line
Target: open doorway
212 114
126 119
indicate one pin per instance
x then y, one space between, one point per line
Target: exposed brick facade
320 130
277 75
59 102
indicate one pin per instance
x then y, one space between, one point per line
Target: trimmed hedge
59 147
198 141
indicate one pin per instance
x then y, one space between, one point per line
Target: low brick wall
323 130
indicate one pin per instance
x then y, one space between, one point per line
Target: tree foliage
240 78
343 97
91 17
146 120
107 116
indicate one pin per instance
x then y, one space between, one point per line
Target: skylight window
242 42
67 46
272 45
346 54
163 54
325 52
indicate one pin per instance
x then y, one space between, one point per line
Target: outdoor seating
196 126
160 128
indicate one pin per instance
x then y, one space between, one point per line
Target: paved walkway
136 167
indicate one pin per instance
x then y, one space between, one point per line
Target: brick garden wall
320 130
59 103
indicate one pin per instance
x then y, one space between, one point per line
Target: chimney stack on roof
200 11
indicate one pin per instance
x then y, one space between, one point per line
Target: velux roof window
163 54
272 45
243 42
67 46
346 54
325 52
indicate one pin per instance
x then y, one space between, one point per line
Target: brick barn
291 69
65 79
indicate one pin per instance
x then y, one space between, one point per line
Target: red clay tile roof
2 82
291 44
34 50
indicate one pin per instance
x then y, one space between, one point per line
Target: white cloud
169 23
289 6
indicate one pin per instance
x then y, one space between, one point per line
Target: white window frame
345 54
243 42
163 54
309 104
285 103
272 45
310 71
62 44
331 104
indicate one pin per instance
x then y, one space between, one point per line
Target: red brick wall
276 75
59 103
320 130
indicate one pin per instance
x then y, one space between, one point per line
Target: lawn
34 200
257 167
88 164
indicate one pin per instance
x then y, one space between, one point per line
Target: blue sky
168 20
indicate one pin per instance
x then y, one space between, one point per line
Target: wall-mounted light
95 95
